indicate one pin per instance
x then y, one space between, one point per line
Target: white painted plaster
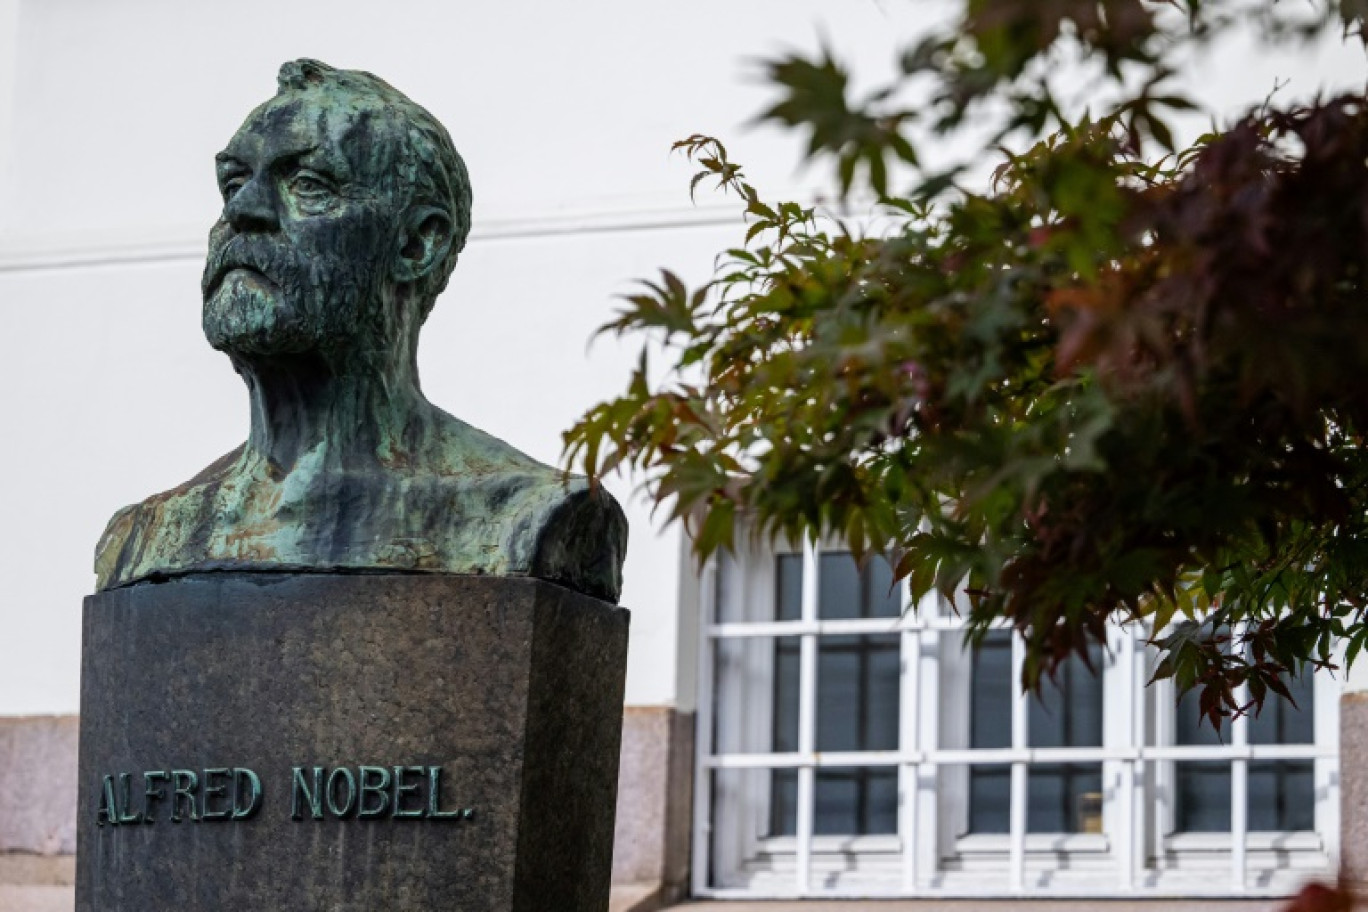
1356 680
9 73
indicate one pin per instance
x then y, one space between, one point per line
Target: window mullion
1017 794
807 720
703 731
909 721
1239 783
1128 837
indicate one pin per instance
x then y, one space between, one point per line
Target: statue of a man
344 208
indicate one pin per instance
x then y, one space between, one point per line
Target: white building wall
564 113
111 111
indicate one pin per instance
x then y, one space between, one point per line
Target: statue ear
423 244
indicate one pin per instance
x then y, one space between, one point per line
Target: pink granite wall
655 789
1354 786
38 785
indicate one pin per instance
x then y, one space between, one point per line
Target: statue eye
310 187
231 186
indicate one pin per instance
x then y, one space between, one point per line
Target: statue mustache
276 262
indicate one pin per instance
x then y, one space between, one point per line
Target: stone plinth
1354 788
348 743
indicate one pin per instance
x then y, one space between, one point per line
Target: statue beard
263 297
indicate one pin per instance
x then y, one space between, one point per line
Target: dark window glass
857 698
853 802
857 693
990 794
1202 797
788 601
1282 723
784 802
838 587
1061 797
847 590
786 651
1282 793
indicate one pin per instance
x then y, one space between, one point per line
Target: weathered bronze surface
345 206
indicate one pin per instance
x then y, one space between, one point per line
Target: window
847 747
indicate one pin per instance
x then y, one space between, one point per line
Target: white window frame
1133 857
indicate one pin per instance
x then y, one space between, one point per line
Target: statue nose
252 208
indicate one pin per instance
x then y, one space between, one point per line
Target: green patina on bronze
345 206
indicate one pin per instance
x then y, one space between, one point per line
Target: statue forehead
357 131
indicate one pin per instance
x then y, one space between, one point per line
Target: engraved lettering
350 781
378 788
211 792
402 789
435 796
237 793
183 785
126 785
108 810
152 792
246 783
300 790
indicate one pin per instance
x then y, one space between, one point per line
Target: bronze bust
345 206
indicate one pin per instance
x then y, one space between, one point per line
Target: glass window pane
788 575
857 692
854 802
1061 798
1202 797
989 799
1190 728
783 802
1068 711
991 689
1282 795
838 589
847 590
882 597
990 726
1064 798
1279 722
786 690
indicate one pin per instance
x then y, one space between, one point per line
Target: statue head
345 205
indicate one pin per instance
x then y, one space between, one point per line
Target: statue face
301 258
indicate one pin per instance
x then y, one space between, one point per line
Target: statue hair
435 167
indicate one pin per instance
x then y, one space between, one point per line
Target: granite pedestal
339 743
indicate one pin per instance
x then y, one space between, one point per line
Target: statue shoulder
143 528
583 540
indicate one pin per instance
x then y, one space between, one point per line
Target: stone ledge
37 899
22 869
632 897
37 883
975 905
